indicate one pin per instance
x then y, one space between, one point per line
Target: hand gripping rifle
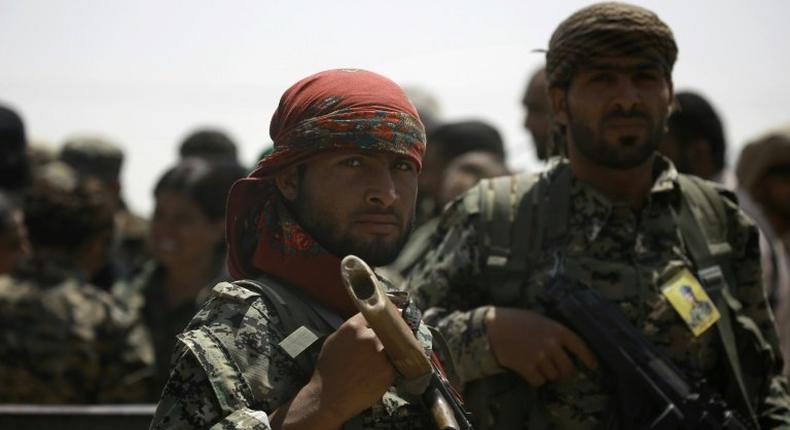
649 390
403 349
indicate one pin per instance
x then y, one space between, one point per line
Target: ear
559 106
287 183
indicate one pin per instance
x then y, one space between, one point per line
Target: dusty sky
145 72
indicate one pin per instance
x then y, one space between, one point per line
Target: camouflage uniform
63 341
229 370
145 298
627 257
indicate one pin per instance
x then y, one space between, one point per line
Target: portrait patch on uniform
691 302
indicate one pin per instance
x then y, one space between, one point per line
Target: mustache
619 113
383 211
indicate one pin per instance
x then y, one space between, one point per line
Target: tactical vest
522 215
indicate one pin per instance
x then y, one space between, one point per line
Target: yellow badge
691 302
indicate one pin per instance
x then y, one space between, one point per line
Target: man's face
537 121
14 243
774 192
359 203
615 110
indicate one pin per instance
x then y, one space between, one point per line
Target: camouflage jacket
229 371
64 341
145 298
627 257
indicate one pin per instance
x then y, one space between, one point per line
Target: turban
758 157
607 29
335 110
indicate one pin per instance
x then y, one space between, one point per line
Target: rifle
403 349
652 393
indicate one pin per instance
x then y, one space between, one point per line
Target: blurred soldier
538 118
62 340
15 171
14 244
695 140
427 106
447 142
288 350
462 174
188 246
764 180
210 145
98 160
614 217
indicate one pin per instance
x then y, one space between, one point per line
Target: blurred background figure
61 339
538 115
446 143
14 243
466 152
187 240
15 171
211 145
97 161
695 140
427 106
763 173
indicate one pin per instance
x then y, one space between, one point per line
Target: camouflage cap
608 29
95 156
771 150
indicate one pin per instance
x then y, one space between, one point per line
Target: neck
183 284
631 186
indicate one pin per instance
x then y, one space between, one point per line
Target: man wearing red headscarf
283 347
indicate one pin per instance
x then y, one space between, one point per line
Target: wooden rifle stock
403 349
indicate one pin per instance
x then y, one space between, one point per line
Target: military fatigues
63 341
145 298
229 369
627 257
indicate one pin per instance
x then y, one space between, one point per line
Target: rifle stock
401 346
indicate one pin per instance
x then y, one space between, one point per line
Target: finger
563 363
576 345
546 367
533 377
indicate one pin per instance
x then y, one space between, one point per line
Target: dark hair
212 145
204 183
63 220
15 171
696 119
457 138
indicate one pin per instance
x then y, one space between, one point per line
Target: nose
381 190
627 96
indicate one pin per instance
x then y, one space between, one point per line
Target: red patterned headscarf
335 110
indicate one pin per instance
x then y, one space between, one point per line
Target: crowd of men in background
92 295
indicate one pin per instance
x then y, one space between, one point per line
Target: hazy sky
145 72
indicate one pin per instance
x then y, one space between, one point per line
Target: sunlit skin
355 202
184 241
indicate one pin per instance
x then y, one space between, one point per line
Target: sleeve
227 370
758 345
450 277
188 401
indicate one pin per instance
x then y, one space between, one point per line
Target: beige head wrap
607 29
759 156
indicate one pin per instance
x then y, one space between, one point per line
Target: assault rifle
649 390
403 349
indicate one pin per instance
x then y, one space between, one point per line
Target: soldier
62 340
14 244
98 160
342 179
614 216
188 245
210 145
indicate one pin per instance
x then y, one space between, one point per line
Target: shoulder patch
233 292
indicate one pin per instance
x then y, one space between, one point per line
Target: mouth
378 224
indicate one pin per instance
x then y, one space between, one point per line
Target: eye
647 76
601 77
405 165
352 162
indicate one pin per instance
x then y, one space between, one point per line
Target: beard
628 152
327 229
